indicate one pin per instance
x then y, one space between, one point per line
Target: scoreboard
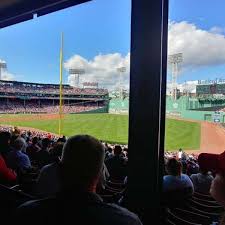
210 89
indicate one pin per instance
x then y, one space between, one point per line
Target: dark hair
35 140
173 167
45 143
56 151
117 150
63 139
82 161
109 149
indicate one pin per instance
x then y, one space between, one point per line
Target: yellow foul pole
60 87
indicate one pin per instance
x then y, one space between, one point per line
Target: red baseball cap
212 162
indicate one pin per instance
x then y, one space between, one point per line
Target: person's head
61 139
82 162
19 144
45 143
35 140
202 169
109 149
117 150
56 151
173 167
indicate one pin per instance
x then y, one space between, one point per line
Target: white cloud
101 69
199 47
5 75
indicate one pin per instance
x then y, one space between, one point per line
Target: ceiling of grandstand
16 11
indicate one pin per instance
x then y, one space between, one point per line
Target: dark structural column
147 95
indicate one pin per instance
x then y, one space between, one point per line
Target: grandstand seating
8 87
22 97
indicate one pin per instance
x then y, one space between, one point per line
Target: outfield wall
184 107
118 105
191 108
99 110
210 116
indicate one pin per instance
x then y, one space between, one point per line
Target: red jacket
6 175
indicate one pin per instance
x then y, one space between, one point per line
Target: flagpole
60 87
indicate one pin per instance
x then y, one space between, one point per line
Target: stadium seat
191 216
203 196
213 216
205 202
174 219
217 209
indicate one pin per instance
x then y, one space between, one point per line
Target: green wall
99 110
119 105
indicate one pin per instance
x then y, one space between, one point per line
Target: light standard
121 70
76 73
3 65
175 60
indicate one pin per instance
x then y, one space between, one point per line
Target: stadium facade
24 97
207 104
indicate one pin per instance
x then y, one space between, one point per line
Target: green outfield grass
114 128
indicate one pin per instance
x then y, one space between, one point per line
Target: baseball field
108 127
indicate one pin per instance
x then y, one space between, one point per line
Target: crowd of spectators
65 169
18 106
55 167
42 89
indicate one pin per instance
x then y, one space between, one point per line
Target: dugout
149 25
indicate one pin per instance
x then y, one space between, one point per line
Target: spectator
216 164
108 153
42 156
180 152
7 176
117 164
175 180
192 167
48 182
16 159
202 180
79 184
33 149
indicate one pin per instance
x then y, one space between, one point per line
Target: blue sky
205 14
31 49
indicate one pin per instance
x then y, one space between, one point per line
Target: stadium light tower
121 70
3 65
76 73
175 60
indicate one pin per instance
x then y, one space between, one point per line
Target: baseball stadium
111 134
194 122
